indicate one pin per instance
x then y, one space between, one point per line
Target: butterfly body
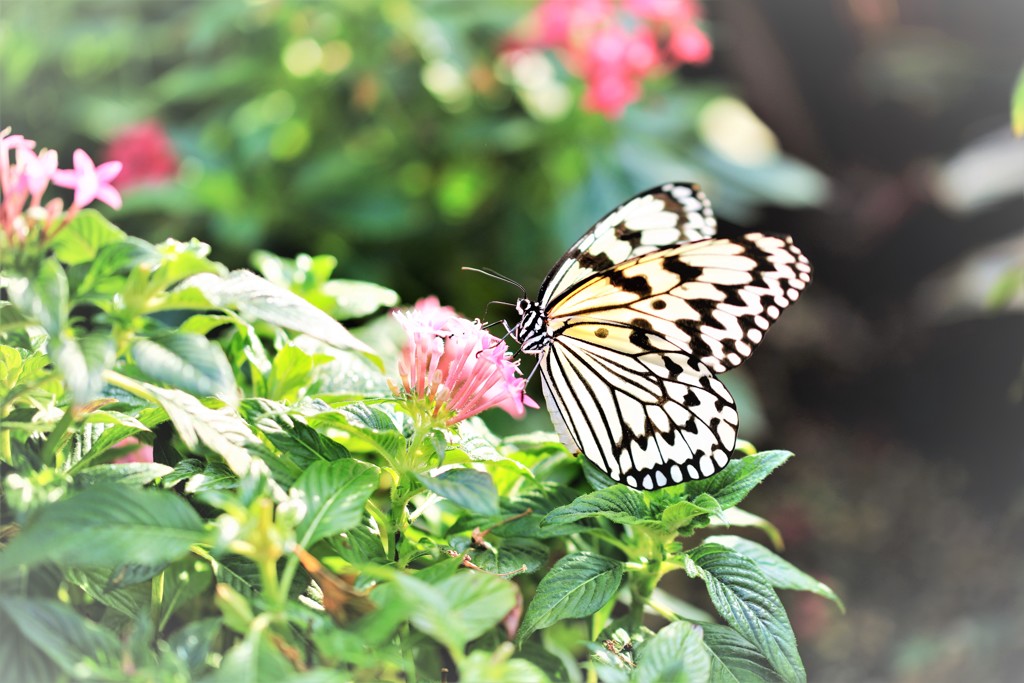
632 324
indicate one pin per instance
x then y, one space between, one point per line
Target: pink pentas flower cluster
26 174
455 366
613 45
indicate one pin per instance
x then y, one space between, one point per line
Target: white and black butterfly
632 324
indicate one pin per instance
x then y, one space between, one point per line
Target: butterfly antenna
497 276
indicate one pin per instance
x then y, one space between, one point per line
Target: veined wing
649 418
663 216
710 300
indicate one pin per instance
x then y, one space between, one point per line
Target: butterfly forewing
713 298
663 216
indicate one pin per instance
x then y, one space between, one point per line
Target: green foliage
290 528
316 127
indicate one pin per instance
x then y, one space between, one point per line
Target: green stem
6 454
409 661
50 453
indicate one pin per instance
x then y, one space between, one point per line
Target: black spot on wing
597 262
632 237
685 271
639 337
637 284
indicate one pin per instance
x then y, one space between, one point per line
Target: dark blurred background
408 139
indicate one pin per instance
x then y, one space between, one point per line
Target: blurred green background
405 140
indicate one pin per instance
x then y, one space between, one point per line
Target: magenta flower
89 181
147 153
455 367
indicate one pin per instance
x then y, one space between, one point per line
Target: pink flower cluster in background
457 365
25 179
147 154
615 44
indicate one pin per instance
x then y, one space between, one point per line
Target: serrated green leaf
107 525
743 596
781 573
577 586
675 655
302 444
734 659
467 488
334 494
732 484
81 240
619 503
189 362
80 648
685 516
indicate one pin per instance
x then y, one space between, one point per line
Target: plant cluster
207 477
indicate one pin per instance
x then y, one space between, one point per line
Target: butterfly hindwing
663 216
649 418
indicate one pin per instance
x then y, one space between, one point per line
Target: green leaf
129 601
334 494
289 374
44 297
107 525
127 473
254 660
577 586
257 299
186 361
734 659
781 573
685 516
1017 105
732 484
675 655
355 299
81 239
460 608
468 488
302 444
82 362
222 431
37 632
619 503
498 667
738 517
504 555
742 595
